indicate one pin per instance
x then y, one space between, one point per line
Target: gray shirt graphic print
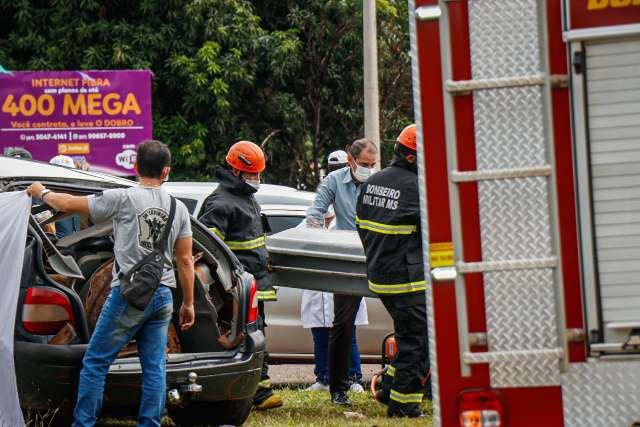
151 224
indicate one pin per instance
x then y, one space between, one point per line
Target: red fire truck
529 121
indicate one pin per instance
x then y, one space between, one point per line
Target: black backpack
138 285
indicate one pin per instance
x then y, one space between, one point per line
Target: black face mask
399 157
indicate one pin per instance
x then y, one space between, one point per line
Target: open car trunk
63 288
88 259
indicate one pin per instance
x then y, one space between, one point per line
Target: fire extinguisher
388 353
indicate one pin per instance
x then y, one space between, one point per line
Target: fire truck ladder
516 187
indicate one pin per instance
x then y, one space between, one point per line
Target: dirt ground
297 375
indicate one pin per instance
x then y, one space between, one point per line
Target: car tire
230 412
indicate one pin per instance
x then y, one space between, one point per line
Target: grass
39 418
313 409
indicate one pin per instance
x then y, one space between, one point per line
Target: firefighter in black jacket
388 222
233 214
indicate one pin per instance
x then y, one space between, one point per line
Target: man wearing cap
340 189
388 223
337 160
233 214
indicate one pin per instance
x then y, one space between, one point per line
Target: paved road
303 374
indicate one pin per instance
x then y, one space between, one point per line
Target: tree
286 74
330 86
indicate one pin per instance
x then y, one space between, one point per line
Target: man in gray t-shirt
139 215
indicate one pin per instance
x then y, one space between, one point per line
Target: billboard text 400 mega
98 116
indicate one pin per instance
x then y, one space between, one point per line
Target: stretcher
317 259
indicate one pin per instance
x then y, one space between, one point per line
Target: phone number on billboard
72 136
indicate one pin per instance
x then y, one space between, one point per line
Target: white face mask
253 182
362 173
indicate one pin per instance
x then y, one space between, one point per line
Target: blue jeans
67 226
118 323
321 352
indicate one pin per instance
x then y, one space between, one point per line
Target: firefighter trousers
403 384
264 386
345 309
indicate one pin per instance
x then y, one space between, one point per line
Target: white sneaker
318 386
357 388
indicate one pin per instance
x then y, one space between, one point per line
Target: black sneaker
340 398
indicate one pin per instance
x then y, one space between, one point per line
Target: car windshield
282 222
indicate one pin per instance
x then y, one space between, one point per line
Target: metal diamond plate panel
521 315
520 310
601 393
509 128
525 373
514 213
514 219
504 38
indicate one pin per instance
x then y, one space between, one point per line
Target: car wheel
230 412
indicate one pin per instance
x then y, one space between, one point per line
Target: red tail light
481 408
253 303
46 311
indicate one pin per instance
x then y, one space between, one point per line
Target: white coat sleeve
362 317
15 208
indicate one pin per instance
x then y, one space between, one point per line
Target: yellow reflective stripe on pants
246 245
406 398
266 295
400 288
264 384
391 371
217 232
379 227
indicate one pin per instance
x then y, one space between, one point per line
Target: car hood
267 194
13 169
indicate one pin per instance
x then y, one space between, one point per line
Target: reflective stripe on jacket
233 214
388 222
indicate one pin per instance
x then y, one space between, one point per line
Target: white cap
62 160
337 157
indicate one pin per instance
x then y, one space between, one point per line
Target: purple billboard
97 116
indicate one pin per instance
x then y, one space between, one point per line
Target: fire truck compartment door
612 105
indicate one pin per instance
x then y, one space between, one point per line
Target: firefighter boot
381 384
265 398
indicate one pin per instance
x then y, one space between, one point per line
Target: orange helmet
246 156
408 137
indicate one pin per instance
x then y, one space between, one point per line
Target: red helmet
246 156
408 137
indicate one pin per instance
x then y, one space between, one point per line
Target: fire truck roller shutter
613 111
